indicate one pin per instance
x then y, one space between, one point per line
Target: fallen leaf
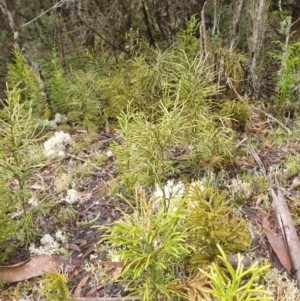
268 144
74 247
260 198
81 284
37 187
33 267
279 248
296 184
79 241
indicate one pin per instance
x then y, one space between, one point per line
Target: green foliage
187 38
140 81
151 241
54 287
292 164
145 154
83 99
230 66
210 142
23 77
238 111
181 118
19 132
57 86
210 223
240 284
288 74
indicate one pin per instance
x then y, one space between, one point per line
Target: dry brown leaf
296 184
81 284
260 198
37 187
74 247
33 267
279 248
268 144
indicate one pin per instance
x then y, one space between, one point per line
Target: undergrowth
20 133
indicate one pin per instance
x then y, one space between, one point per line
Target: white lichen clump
57 145
109 153
72 196
240 188
171 195
48 246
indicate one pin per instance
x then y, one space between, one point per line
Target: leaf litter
93 207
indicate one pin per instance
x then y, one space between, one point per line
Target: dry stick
202 30
280 123
231 86
284 219
257 159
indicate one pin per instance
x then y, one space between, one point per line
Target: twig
279 122
231 86
85 161
60 3
257 159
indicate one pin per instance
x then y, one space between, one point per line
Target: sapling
20 134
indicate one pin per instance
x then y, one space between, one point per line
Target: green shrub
210 223
20 75
19 156
240 284
152 243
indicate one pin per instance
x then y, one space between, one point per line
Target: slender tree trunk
59 39
217 13
258 13
147 24
234 36
18 45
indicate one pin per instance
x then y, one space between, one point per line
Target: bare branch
15 29
58 4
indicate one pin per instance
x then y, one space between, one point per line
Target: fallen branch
276 120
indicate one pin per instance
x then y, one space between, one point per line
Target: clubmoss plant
20 134
57 86
21 76
238 111
54 287
152 243
240 284
83 100
288 73
145 155
210 223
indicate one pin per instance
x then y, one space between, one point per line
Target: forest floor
91 172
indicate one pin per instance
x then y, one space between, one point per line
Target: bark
234 37
59 39
203 35
147 24
217 13
258 16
